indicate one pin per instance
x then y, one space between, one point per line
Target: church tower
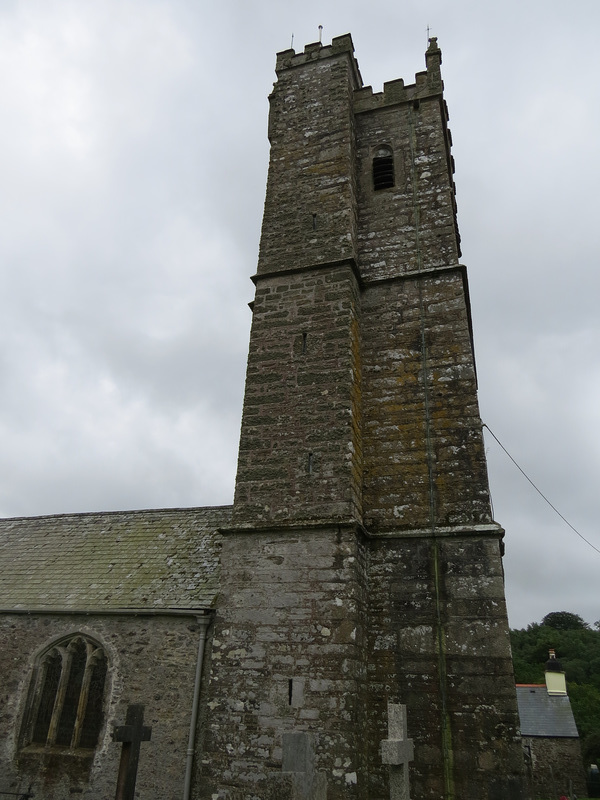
362 570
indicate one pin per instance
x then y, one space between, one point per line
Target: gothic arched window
383 168
67 693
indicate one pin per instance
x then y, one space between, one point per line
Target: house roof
545 715
127 560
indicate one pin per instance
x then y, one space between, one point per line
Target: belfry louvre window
67 694
383 168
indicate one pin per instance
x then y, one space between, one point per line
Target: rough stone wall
310 208
288 656
420 205
552 764
424 461
412 225
300 448
423 446
300 445
438 642
151 661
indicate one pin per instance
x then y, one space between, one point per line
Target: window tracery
67 694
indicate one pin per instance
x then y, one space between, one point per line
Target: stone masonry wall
152 661
288 656
438 642
553 763
414 329
300 446
310 206
409 226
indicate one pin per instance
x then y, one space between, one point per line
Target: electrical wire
541 494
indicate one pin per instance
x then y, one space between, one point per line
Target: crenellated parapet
427 84
316 51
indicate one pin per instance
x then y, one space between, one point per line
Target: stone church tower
340 632
362 567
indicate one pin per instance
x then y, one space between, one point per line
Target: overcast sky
133 156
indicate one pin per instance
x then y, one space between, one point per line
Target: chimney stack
556 683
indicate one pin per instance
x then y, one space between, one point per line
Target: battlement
427 84
287 59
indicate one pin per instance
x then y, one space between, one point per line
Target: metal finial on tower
292 44
428 34
320 34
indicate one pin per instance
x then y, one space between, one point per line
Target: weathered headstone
396 751
299 760
132 734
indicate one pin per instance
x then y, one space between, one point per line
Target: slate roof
545 715
129 560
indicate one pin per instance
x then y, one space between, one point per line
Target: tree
585 702
564 621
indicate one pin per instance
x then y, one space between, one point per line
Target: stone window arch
383 167
67 693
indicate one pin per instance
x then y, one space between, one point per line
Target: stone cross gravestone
396 751
132 734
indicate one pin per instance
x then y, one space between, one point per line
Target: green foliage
585 702
577 648
590 748
564 621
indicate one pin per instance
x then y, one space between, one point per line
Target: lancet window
67 694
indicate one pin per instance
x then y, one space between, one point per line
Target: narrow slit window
314 222
304 338
383 168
